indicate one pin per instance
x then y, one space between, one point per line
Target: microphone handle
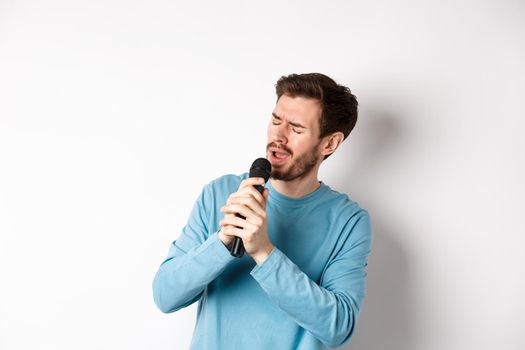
237 249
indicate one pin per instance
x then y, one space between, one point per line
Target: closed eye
296 127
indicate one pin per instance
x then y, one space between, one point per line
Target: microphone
261 167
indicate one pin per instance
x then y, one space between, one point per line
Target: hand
250 204
245 189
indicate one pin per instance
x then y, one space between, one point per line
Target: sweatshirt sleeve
329 310
195 259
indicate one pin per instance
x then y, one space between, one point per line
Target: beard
300 167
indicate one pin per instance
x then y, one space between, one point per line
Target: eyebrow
296 125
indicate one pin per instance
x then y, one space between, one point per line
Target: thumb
266 194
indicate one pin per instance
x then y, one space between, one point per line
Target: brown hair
338 104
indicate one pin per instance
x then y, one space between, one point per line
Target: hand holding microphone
245 215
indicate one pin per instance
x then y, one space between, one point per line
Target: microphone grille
261 167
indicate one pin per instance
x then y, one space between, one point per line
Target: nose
280 134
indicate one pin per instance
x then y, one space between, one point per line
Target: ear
331 143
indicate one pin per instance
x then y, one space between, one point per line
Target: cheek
301 143
295 144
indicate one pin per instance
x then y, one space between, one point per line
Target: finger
233 231
226 231
266 194
251 181
250 202
227 214
238 209
236 221
250 191
248 214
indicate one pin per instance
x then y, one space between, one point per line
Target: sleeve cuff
214 246
268 266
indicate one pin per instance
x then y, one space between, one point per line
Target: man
301 283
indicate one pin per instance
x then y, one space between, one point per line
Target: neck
299 187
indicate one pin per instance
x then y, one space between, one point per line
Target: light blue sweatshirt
306 295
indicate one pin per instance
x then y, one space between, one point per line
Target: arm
329 310
195 259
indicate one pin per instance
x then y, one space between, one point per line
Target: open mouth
280 155
277 157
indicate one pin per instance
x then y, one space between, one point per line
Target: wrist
262 255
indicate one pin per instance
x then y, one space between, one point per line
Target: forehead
306 111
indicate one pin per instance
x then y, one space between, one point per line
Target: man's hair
338 104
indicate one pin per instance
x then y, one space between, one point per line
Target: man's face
293 137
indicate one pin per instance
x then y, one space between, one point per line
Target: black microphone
261 167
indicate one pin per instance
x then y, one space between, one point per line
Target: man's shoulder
343 204
226 183
352 219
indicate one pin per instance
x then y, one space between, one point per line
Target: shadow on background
386 319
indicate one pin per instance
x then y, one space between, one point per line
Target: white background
114 114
